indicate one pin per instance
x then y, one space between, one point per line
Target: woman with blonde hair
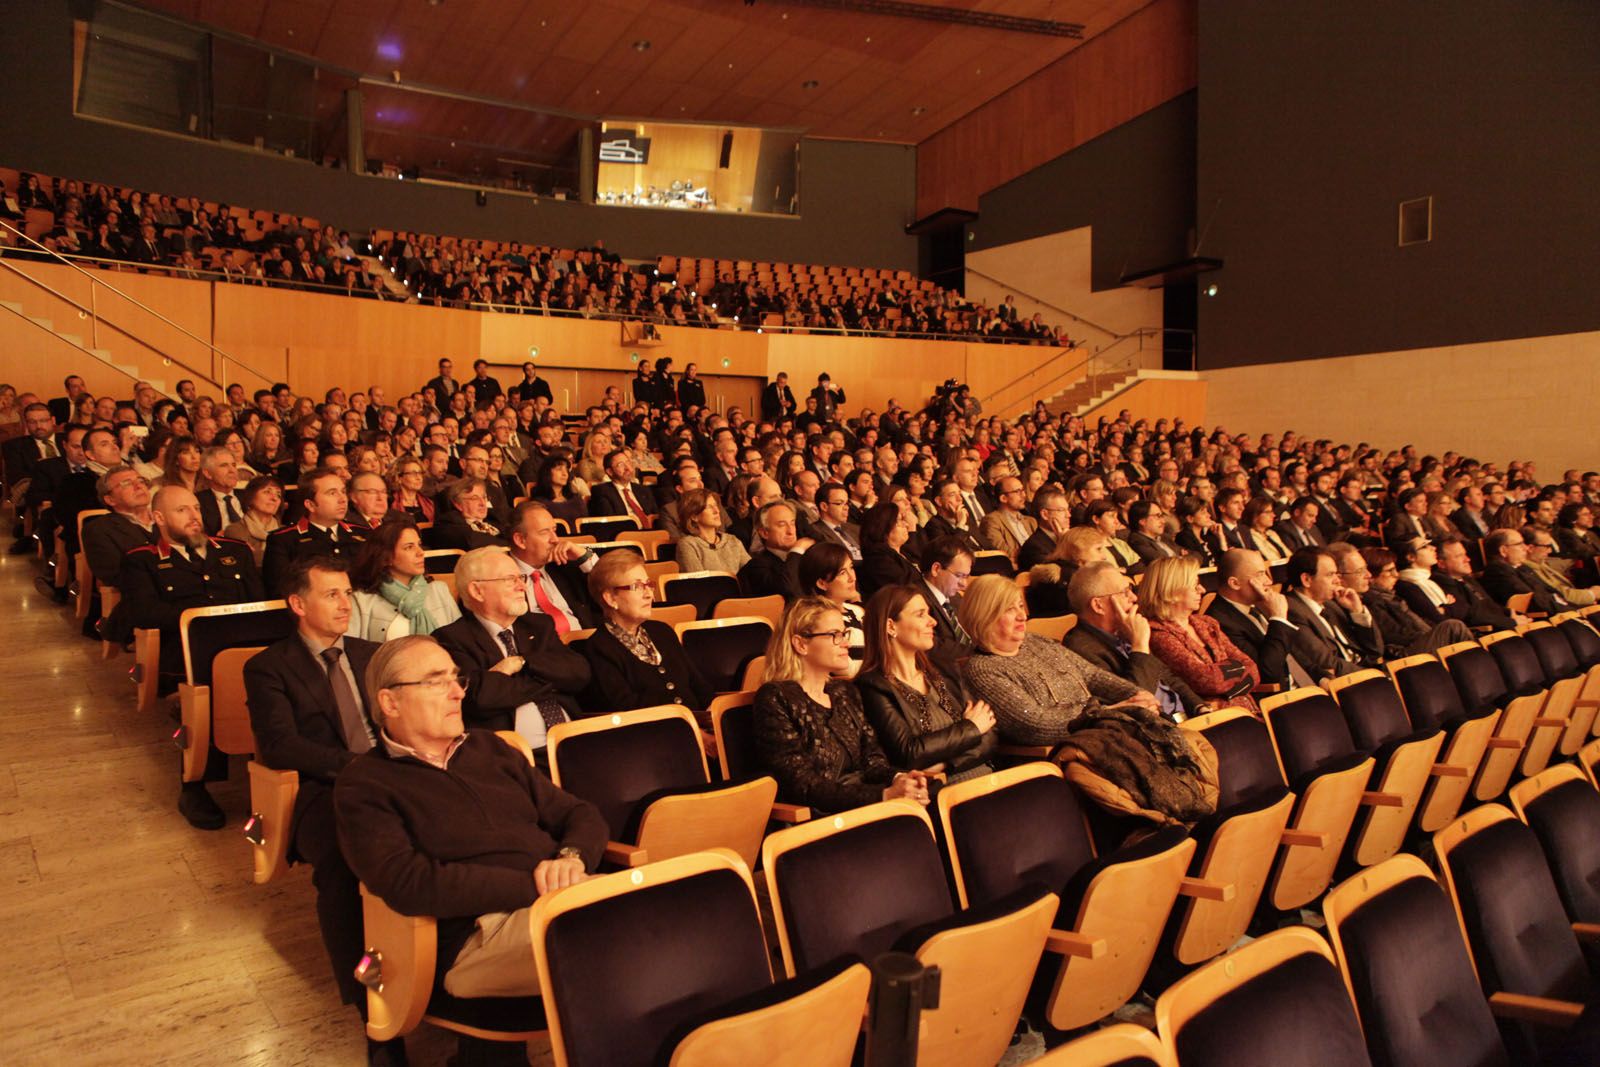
811 733
1036 687
1046 592
1191 643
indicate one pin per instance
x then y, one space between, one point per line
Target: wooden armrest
1266 689
790 813
1545 720
1309 838
1024 751
1383 800
1204 889
625 855
1504 742
1586 703
1540 1010
1072 943
1537 614
1587 931
1449 770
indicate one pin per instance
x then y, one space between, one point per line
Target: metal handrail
1039 300
226 359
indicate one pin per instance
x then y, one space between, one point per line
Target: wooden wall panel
871 370
1157 398
1142 62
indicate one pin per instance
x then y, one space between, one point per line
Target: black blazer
1270 650
1400 529
960 746
883 566
574 586
1294 539
606 499
552 669
1473 606
1194 546
1148 548
1035 549
1141 668
1502 581
1475 528
107 538
450 530
939 526
766 574
294 716
776 402
620 681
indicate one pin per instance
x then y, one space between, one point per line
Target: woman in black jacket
884 532
634 661
921 717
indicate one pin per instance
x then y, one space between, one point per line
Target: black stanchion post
902 989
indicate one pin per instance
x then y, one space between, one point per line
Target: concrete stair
104 355
1087 392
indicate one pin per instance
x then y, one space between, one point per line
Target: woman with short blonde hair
1163 585
1192 643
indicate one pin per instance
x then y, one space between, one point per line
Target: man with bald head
1112 635
183 569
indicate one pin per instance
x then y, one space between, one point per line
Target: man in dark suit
107 538
554 571
1505 553
216 487
723 468
517 673
1112 635
777 399
462 518
531 388
23 454
1228 532
61 407
1300 529
1469 517
1054 514
622 495
1336 633
321 531
946 565
71 482
183 569
1472 604
1349 509
951 518
1255 617
1148 532
311 713
775 568
834 525
1407 523
475 464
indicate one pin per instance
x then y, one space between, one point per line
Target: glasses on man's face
838 637
502 578
961 577
643 588
439 682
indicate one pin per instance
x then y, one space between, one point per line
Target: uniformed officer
322 531
183 569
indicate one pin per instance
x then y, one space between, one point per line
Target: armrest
625 855
790 813
1586 703
1072 943
1308 838
1383 800
1539 1010
1024 751
1504 742
1449 770
1266 689
1204 889
1547 720
1587 931
272 797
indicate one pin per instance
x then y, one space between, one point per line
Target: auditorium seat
1432 700
1483 690
703 589
1118 1045
646 772
1405 757
667 964
208 715
762 607
1528 697
1562 808
870 880
1564 679
723 648
1026 826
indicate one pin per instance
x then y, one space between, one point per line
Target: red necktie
547 605
633 505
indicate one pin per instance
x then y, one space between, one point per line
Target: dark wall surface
1316 119
1134 185
856 197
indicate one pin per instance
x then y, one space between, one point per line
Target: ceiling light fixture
641 45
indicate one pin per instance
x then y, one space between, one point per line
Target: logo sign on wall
624 148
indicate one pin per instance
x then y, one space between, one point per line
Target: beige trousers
497 960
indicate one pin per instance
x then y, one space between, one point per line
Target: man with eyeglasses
833 507
946 565
310 713
1112 635
442 818
1007 528
1505 573
518 673
1055 516
1541 548
1374 575
107 538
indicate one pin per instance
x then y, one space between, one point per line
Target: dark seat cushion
1431 697
1311 735
1031 833
912 940
1519 666
1566 821
1247 769
1584 641
1478 681
1417 994
627 971
1373 712
855 892
1296 1015
1555 654
613 769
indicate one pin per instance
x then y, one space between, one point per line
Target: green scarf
411 601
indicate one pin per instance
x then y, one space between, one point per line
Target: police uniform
159 581
289 543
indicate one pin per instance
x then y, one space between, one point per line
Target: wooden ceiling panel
555 53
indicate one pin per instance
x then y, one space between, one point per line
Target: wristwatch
569 853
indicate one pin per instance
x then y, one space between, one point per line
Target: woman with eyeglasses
408 495
634 660
811 733
922 718
393 595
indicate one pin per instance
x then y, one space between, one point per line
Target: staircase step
76 340
11 305
48 324
101 353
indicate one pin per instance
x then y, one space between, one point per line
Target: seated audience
1007 528
1054 519
463 518
884 533
518 674
620 495
409 478
1035 686
827 571
1046 592
775 568
553 570
834 525
1506 574
1259 521
1463 597
1300 529
1191 643
439 819
1335 633
921 717
1255 617
811 733
704 546
555 489
946 567
1103 517
393 593
1374 574
262 500
219 477
1112 634
1194 529
108 538
1148 537
635 661
952 517
1541 565
369 499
